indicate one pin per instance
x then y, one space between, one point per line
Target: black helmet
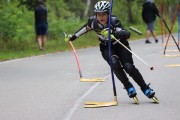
102 6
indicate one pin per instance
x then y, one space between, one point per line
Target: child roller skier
122 61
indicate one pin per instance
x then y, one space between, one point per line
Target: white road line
19 59
71 111
9 61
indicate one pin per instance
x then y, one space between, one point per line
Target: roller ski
132 94
150 94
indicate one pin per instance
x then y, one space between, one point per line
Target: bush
8 26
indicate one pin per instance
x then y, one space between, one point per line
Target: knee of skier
129 68
115 62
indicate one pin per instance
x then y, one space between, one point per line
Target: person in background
122 61
149 13
41 24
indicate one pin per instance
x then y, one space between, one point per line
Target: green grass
53 46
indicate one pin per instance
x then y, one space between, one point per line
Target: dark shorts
150 26
41 29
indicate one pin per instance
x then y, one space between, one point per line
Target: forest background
17 34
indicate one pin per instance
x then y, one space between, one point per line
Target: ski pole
135 30
112 36
75 54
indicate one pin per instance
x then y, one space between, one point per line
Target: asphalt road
48 87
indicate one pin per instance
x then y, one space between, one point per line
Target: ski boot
132 94
150 94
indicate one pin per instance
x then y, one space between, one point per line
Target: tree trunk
130 17
91 11
88 3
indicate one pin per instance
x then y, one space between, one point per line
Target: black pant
122 63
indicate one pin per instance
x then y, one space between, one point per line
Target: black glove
122 35
72 37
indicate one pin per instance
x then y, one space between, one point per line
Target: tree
129 6
88 3
123 9
29 4
76 6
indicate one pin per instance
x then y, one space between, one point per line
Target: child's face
102 17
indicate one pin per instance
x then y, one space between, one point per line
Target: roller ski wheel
155 100
136 100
